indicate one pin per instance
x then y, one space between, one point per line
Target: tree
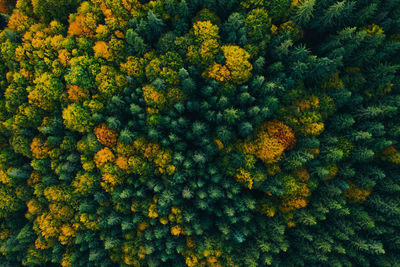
77 118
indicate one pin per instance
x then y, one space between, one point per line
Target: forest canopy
193 133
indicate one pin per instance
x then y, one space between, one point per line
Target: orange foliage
19 22
77 94
355 194
302 174
5 6
390 154
103 156
153 97
270 141
219 144
153 152
101 49
40 148
218 72
105 135
84 25
296 195
122 163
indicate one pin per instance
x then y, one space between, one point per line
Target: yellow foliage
103 156
84 182
47 225
101 49
133 67
67 234
355 194
176 230
84 25
57 193
19 22
373 30
153 97
243 176
112 179
237 63
217 72
122 163
4 178
89 221
66 259
34 206
43 244
296 194
205 30
220 145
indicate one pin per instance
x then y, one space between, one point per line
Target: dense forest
200 133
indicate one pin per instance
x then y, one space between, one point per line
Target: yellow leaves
89 221
163 220
267 207
133 67
305 116
294 3
66 259
206 45
77 118
176 230
218 72
57 193
34 206
103 156
355 194
296 194
143 226
48 226
243 176
219 144
110 81
153 97
237 63
19 22
122 163
111 180
102 50
67 234
84 182
373 30
205 30
4 178
41 243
